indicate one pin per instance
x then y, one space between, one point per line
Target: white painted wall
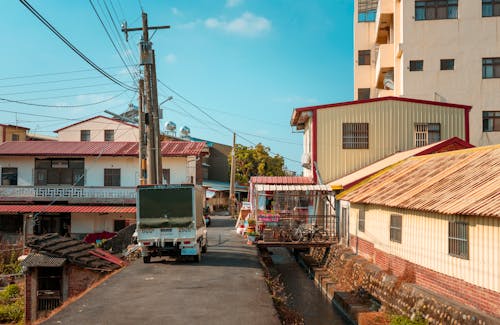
25 168
123 132
83 223
425 242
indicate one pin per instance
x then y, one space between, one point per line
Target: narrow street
227 287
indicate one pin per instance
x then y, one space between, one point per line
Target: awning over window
66 208
302 187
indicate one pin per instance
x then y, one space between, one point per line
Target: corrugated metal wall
425 242
391 129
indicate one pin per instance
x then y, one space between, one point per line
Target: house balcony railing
72 194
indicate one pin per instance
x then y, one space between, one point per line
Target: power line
61 106
66 96
58 73
54 89
49 81
72 47
111 40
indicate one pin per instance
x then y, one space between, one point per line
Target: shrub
403 320
12 313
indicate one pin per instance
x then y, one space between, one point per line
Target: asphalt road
227 287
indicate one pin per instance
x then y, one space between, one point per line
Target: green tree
256 161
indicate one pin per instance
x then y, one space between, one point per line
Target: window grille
367 10
109 135
111 177
84 135
491 68
427 133
491 121
458 239
355 135
396 227
361 220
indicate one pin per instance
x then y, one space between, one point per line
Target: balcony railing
67 193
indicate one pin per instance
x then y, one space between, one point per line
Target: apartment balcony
385 63
70 194
383 21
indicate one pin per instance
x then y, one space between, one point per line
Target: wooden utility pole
232 196
142 139
150 122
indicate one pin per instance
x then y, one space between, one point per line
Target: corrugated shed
72 149
463 182
281 180
66 208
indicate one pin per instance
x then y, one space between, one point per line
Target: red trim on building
450 144
467 126
67 208
93 118
401 99
314 142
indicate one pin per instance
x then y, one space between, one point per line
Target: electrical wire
61 106
112 42
58 73
72 47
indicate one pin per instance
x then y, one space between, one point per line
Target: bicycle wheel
320 235
297 234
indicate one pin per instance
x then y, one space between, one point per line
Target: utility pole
150 122
142 140
232 197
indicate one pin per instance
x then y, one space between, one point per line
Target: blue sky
246 63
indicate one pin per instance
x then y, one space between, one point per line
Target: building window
166 176
355 135
109 135
447 64
436 9
417 65
361 220
367 10
491 68
364 57
491 121
111 177
9 176
15 137
427 133
84 135
458 239
396 227
363 93
491 8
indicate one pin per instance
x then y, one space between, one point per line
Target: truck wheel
146 259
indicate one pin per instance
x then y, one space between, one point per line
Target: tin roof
84 148
297 111
14 126
96 117
75 251
41 260
66 208
462 182
446 145
281 180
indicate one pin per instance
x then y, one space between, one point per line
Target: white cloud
189 25
233 3
246 25
170 58
176 12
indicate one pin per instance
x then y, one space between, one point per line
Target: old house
434 219
341 138
99 128
12 133
59 268
79 188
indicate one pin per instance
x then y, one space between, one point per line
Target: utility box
146 50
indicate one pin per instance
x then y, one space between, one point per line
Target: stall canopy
301 187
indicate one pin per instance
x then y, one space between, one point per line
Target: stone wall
345 271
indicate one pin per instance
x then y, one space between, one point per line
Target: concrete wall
425 243
123 132
6 133
467 40
84 223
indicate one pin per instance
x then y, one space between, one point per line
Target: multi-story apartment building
447 50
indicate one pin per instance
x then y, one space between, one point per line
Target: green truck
170 221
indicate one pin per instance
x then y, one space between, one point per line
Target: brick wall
454 288
28 317
80 279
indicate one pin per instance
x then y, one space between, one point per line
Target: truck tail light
187 242
146 243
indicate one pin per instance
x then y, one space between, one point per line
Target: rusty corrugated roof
66 208
288 180
351 179
462 182
76 148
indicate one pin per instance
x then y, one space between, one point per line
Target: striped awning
285 188
66 208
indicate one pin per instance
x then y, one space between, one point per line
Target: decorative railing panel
65 192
